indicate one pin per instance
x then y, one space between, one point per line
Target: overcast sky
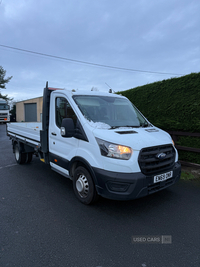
155 39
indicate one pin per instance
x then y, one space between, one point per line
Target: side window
64 110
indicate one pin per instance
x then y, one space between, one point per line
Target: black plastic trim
45 119
150 164
137 184
61 162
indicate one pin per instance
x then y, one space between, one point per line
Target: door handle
54 134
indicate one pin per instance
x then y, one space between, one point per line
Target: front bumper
126 186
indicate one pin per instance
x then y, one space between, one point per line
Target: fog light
117 187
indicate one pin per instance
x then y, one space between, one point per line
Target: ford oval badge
161 156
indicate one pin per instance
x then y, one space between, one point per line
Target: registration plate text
163 177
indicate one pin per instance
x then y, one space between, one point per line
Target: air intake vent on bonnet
127 132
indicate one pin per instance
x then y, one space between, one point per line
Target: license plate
163 177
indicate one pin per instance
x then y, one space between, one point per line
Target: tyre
19 156
29 157
83 186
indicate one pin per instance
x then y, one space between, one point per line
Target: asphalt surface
43 224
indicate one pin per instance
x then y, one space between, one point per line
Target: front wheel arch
79 161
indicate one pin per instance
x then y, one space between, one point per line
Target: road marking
8 166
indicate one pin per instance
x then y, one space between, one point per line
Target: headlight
114 151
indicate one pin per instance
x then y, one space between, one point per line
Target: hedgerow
172 104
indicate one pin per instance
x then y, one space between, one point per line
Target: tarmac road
43 224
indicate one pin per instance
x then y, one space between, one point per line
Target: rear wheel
19 156
83 186
29 157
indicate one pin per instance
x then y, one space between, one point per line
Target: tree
13 110
6 97
3 82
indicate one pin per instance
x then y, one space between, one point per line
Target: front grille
150 164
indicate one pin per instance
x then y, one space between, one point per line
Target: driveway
43 224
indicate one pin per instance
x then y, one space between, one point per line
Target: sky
85 44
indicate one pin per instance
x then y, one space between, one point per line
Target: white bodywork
68 148
26 131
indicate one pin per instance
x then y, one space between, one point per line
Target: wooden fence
175 135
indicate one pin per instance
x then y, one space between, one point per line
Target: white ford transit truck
101 142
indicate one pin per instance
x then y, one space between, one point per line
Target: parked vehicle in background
4 111
101 142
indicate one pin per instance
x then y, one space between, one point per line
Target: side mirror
67 128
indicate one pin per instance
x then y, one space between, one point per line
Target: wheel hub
17 153
82 186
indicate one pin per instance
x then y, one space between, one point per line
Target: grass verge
190 174
187 176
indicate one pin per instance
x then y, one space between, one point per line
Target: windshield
114 111
4 107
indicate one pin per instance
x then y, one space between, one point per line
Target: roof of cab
88 93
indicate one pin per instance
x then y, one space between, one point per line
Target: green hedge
172 104
189 142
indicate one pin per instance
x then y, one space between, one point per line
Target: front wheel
19 156
83 186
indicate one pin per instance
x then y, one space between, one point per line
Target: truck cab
4 111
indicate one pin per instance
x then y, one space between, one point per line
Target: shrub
172 104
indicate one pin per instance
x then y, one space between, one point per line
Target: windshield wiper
145 124
114 127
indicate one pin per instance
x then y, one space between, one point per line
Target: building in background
29 110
